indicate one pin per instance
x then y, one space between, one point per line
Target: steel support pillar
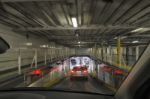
19 61
45 56
48 54
35 58
99 53
118 51
109 56
102 54
130 51
51 55
127 55
137 52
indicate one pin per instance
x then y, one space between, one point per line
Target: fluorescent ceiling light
135 41
74 22
29 44
115 37
141 30
136 30
44 46
79 45
121 37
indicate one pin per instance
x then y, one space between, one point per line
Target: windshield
72 45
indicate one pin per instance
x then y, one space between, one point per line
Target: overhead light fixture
115 37
121 37
141 30
136 30
135 41
44 46
79 42
74 22
29 44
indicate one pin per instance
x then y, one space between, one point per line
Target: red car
79 72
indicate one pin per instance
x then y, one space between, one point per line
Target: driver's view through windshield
71 45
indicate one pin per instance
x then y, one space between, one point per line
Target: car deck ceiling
99 21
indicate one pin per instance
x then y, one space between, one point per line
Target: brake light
118 72
36 72
72 71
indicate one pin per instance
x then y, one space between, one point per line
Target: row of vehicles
78 72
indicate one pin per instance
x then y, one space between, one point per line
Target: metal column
137 52
19 61
45 54
102 54
35 58
127 55
51 53
48 54
130 51
118 51
109 54
95 51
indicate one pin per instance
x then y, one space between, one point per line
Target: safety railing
47 75
110 75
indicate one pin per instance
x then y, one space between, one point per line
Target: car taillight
118 72
85 71
36 72
72 71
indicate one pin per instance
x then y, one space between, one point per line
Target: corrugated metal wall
18 42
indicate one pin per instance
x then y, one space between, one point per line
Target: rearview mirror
4 46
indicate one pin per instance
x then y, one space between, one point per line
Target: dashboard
50 95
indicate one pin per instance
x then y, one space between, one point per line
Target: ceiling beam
130 44
92 27
26 0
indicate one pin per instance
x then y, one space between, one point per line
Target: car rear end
80 73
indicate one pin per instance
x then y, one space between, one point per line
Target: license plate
78 72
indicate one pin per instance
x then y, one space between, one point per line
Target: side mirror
4 46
